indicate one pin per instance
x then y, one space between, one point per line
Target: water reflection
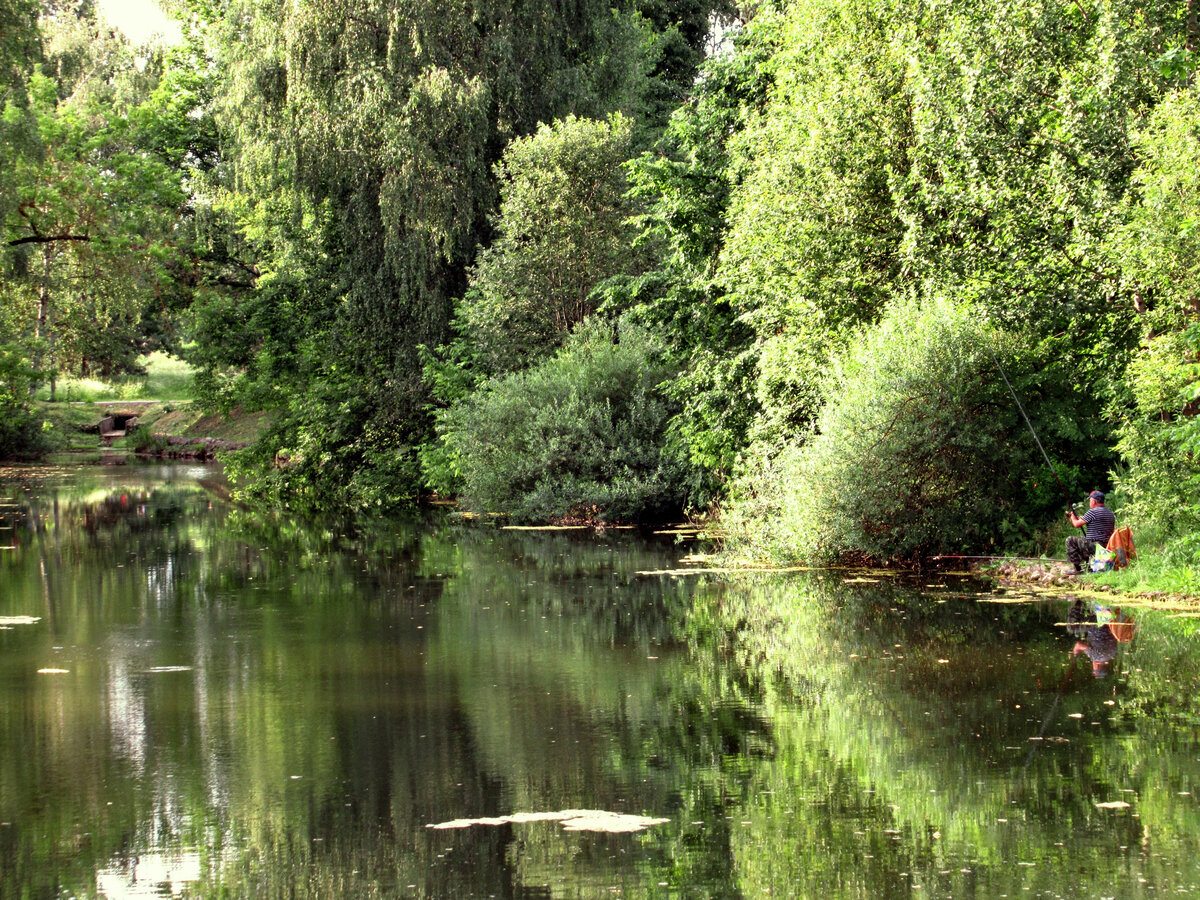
1096 640
150 875
254 706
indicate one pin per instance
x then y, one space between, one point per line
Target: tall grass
166 378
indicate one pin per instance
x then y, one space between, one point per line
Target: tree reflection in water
256 705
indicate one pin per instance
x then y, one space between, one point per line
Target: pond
197 700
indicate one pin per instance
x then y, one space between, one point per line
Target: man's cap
1098 496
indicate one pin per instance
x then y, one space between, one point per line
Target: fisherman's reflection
1096 641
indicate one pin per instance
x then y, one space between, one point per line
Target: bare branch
48 239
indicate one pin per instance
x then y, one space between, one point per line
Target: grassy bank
70 427
1160 568
1153 572
167 379
162 400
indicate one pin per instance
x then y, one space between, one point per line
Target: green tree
20 50
562 228
91 234
1158 248
813 245
362 137
684 185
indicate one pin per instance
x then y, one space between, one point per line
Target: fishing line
1017 401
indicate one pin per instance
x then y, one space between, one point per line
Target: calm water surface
197 701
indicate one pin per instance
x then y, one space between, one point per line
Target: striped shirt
1100 524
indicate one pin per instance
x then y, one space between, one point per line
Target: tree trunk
43 362
40 324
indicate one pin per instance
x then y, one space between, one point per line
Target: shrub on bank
1159 439
584 433
917 450
22 435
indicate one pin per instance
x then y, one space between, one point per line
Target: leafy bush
584 433
1158 249
22 435
1160 441
916 450
563 196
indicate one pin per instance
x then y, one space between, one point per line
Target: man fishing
1100 524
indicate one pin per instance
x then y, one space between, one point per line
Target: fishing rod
1036 439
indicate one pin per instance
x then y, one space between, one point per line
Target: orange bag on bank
1120 545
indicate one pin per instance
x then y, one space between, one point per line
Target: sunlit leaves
916 449
1158 248
582 434
562 230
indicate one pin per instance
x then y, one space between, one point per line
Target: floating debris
1113 804
9 621
54 671
155 669
571 819
739 570
1027 598
545 527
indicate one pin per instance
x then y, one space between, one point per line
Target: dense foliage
582 435
917 449
394 224
360 183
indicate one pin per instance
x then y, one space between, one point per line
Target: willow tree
361 140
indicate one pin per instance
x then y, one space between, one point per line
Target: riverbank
159 429
1149 579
